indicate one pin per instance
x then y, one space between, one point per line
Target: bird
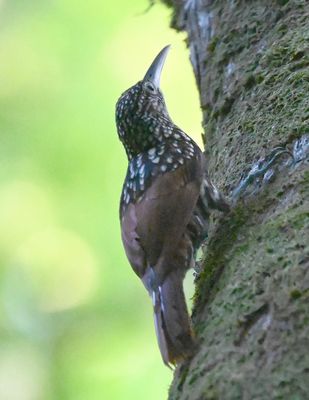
165 204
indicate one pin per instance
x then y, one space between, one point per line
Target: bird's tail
172 322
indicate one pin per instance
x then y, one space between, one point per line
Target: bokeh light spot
61 266
24 208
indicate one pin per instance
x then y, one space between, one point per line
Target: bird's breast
150 165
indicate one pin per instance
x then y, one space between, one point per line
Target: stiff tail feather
172 322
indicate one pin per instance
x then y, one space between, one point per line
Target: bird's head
141 110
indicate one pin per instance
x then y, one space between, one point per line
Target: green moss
216 252
182 376
250 81
306 176
210 394
193 378
213 44
300 220
295 294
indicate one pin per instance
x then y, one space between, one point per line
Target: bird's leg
261 172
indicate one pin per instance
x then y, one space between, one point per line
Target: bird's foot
301 149
263 172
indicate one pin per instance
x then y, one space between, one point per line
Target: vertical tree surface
251 309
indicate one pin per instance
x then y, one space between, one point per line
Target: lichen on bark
251 313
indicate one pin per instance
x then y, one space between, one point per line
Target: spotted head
141 111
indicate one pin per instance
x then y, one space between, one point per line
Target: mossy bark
251 310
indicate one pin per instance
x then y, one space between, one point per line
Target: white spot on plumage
152 152
142 170
162 304
156 160
131 170
139 161
163 168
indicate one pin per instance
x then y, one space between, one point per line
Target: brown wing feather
153 227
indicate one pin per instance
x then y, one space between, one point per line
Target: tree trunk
251 313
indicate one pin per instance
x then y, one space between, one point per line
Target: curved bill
154 72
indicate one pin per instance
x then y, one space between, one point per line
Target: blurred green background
76 322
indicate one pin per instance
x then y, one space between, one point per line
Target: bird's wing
132 241
153 227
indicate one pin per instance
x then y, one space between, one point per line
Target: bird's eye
150 87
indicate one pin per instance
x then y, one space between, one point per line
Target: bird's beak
154 72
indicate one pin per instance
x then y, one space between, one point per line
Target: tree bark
251 313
